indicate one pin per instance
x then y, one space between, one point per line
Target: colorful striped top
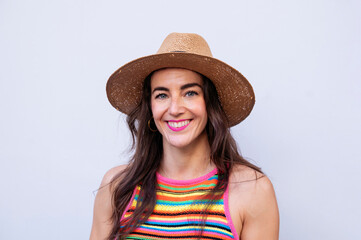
177 213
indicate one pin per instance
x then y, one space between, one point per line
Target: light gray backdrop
59 134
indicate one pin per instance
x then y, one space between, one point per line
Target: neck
188 162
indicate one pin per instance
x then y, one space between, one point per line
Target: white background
59 134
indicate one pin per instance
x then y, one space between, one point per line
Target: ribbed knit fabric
177 214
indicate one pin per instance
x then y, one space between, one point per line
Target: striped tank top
177 213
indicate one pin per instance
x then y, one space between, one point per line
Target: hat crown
189 51
185 42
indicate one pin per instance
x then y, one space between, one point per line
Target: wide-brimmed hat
189 51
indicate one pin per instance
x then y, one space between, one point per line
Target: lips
178 125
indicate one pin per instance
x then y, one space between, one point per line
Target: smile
178 125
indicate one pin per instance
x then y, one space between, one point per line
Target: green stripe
189 188
176 203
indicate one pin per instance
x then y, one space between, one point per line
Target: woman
186 179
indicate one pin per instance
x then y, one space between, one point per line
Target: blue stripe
187 222
185 230
188 202
213 177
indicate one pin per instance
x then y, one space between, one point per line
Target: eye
191 93
161 96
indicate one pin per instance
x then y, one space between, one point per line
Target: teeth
178 124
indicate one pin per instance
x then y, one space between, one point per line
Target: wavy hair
148 153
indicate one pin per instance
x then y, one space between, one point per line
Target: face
178 106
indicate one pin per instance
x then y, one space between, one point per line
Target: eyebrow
189 85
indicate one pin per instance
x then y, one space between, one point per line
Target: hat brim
124 87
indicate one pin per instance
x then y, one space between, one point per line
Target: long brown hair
148 153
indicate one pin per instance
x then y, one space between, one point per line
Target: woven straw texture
189 51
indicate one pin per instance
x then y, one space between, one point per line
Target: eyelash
163 95
192 92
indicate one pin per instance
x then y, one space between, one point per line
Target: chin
182 142
178 142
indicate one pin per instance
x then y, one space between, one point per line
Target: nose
176 107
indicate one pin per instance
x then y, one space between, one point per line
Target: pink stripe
171 220
182 233
130 203
228 214
186 182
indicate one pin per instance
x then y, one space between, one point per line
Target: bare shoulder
251 185
242 173
246 179
252 195
111 173
103 209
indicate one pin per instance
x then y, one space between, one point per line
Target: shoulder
254 187
242 173
103 209
111 174
104 193
247 179
253 197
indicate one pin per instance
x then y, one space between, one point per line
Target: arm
102 223
261 217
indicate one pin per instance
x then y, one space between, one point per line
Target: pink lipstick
178 125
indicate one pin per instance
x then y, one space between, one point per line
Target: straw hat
189 51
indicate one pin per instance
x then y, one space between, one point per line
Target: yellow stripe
178 208
196 227
184 218
194 207
167 194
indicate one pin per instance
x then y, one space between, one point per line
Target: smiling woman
186 179
178 108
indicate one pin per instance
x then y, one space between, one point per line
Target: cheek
157 111
200 109
153 107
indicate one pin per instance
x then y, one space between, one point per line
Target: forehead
174 77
